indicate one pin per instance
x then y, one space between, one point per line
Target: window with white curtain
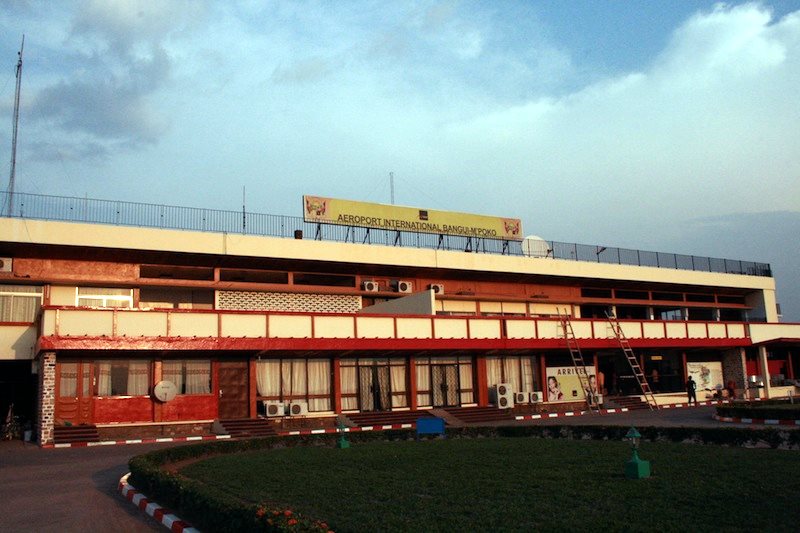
466 394
122 378
68 380
519 372
104 297
297 379
19 303
191 376
350 382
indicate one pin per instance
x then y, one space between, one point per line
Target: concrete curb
160 514
136 441
761 421
568 413
382 427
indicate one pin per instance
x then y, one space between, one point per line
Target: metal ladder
632 361
577 361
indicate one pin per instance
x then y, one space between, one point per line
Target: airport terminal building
139 319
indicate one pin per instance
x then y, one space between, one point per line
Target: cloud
67 151
707 127
303 71
119 63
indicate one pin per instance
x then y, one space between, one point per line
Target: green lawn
509 484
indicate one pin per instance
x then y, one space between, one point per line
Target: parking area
67 490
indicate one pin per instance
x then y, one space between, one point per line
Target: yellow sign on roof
396 218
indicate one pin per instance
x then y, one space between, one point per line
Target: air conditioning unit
437 288
298 408
274 408
536 397
521 397
403 285
502 395
6 264
370 286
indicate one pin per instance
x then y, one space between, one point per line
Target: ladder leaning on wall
638 373
577 361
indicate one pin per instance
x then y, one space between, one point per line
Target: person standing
691 390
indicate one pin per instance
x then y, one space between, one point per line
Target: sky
666 126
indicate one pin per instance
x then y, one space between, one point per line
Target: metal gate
374 388
444 385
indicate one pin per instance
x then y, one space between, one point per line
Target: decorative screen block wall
285 301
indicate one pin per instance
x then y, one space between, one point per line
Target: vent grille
285 301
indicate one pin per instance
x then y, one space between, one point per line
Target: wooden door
234 390
74 393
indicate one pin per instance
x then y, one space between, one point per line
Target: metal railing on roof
121 213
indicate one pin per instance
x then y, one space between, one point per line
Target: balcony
88 328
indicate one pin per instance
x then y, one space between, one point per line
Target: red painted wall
193 407
122 410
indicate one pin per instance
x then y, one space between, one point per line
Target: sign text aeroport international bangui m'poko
395 218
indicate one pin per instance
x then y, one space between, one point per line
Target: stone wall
734 369
46 400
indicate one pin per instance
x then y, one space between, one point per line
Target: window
444 381
122 378
189 376
373 384
19 303
68 380
520 372
296 379
104 297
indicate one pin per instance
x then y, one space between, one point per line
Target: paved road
75 489
71 489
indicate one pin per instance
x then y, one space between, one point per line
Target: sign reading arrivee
395 218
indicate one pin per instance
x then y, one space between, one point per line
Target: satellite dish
533 246
165 391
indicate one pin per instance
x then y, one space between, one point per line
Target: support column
762 358
412 383
480 382
46 400
337 384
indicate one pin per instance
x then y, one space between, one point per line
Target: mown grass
511 484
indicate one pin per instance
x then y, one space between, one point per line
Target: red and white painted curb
568 413
761 421
377 427
160 514
687 404
136 441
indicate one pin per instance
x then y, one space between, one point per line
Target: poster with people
707 375
564 385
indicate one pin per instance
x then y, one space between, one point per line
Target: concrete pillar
762 359
734 368
46 401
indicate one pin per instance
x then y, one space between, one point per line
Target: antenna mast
391 186
14 132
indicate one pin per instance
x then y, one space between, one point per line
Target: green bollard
342 441
636 468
